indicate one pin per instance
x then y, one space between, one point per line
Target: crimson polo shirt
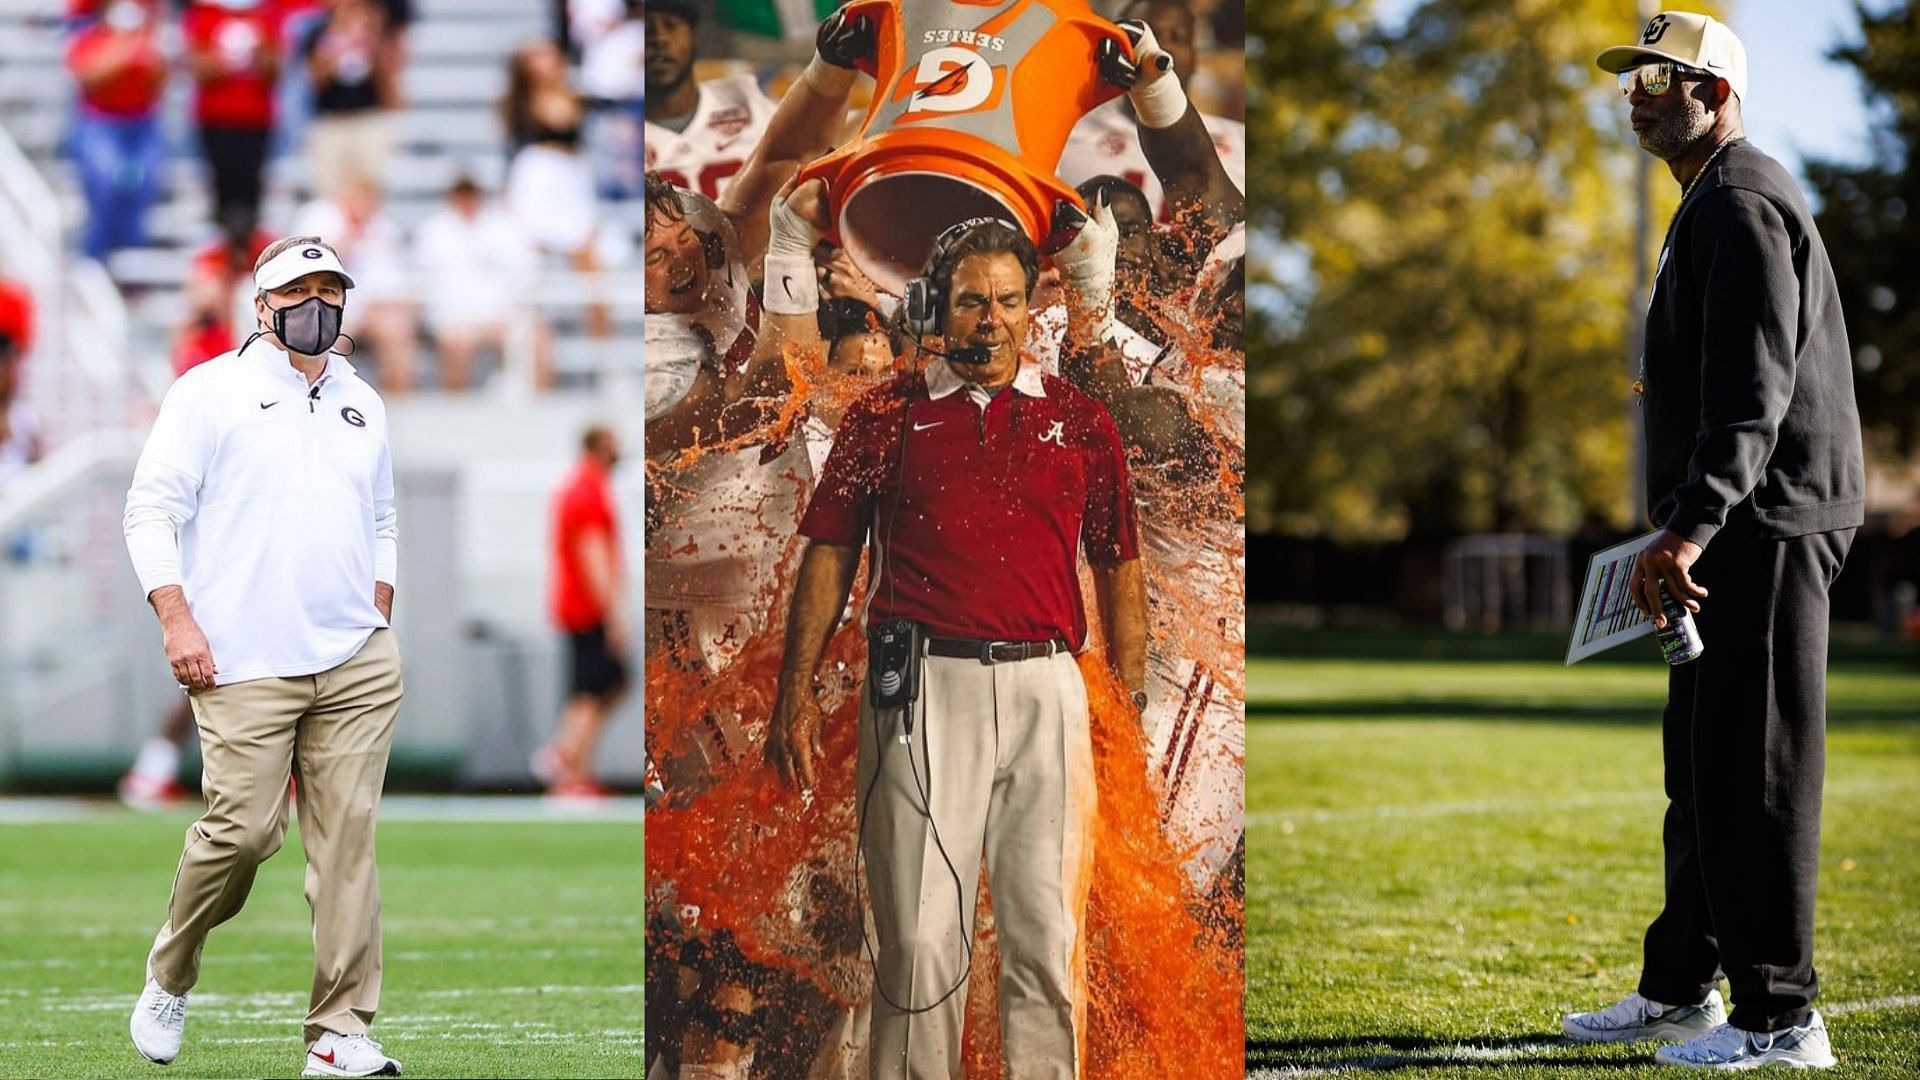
981 525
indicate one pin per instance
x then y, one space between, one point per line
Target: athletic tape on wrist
788 234
1160 104
790 286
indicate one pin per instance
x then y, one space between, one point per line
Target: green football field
1452 842
513 949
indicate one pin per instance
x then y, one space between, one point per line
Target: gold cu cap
1698 41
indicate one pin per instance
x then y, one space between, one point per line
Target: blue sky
1801 104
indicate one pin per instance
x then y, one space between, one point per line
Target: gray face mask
309 327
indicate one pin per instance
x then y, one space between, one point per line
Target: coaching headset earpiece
925 301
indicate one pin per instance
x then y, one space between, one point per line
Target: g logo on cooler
950 79
352 416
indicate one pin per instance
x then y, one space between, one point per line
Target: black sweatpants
1745 748
236 158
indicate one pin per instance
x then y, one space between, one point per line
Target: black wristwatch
1140 700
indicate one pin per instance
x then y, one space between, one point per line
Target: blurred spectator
613 67
352 61
613 76
369 241
550 189
233 53
293 94
219 293
118 148
20 442
16 315
583 22
476 271
587 588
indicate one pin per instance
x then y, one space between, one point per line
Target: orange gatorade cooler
972 105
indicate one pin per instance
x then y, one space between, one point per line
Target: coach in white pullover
262 528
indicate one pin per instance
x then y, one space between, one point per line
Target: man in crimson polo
980 482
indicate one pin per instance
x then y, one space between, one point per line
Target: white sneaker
348 1055
1728 1047
1635 1019
159 1018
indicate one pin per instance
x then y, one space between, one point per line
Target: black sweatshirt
1751 420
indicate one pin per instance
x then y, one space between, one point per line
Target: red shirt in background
211 333
16 315
132 91
241 95
582 507
985 522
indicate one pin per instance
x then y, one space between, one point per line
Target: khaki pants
345 148
1005 752
333 730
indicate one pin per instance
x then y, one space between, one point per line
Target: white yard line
599 1038
1405 811
219 1000
1880 1004
449 809
1651 796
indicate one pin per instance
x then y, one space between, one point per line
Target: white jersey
1196 676
1107 140
727 521
727 124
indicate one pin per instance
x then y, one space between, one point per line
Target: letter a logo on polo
1656 29
1056 434
951 79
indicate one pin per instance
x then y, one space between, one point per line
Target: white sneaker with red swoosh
348 1055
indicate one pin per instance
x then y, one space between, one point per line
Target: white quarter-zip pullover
270 502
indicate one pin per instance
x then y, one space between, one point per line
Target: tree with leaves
1870 219
1446 228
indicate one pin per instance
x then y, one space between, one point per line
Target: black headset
926 301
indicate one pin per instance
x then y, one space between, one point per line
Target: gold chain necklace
1640 379
1704 166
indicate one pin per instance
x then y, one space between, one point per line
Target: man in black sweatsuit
1754 472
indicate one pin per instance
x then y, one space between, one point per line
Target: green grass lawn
512 950
1448 852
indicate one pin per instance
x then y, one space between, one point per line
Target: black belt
992 652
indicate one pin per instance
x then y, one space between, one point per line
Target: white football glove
1158 99
1087 266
